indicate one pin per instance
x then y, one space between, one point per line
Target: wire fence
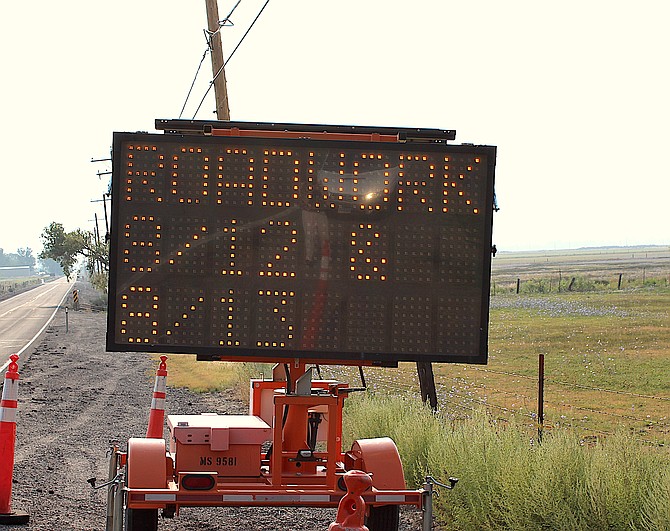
461 396
580 270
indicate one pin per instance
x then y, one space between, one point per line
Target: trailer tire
383 518
141 519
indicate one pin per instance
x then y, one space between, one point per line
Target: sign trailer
297 245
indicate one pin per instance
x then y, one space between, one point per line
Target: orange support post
157 413
7 442
351 510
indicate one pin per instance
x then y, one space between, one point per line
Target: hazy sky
573 93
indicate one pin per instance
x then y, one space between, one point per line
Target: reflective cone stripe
158 400
9 403
157 413
8 434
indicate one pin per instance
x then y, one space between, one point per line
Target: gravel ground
75 399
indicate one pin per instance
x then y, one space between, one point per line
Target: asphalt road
24 316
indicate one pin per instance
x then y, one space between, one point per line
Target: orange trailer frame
290 472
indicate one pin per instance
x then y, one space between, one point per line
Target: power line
193 82
246 33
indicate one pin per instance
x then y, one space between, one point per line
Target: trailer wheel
141 519
383 518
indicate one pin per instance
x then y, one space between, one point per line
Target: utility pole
220 88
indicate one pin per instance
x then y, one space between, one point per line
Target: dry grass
211 376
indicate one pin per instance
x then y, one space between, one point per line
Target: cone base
14 518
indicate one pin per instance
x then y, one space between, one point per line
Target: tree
65 248
26 256
51 266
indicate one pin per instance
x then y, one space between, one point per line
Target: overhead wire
246 33
193 82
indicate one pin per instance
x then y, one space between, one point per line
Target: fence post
427 383
540 398
619 285
518 285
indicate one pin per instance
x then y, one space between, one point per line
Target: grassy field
607 350
206 377
603 461
597 267
607 360
511 481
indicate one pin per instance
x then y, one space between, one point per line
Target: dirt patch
75 399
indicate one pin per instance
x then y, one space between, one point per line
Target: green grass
606 355
509 481
592 269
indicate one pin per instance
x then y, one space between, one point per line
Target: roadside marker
7 442
157 413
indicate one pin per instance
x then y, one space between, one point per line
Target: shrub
508 481
100 281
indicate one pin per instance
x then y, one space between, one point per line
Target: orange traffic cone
351 510
157 414
7 441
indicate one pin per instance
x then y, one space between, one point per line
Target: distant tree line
22 257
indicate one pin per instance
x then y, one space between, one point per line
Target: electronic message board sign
277 248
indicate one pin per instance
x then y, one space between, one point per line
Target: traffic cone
351 510
157 414
7 441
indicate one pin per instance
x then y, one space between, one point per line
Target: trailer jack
428 492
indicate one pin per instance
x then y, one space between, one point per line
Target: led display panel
283 248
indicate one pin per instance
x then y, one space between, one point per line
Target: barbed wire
568 384
379 378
